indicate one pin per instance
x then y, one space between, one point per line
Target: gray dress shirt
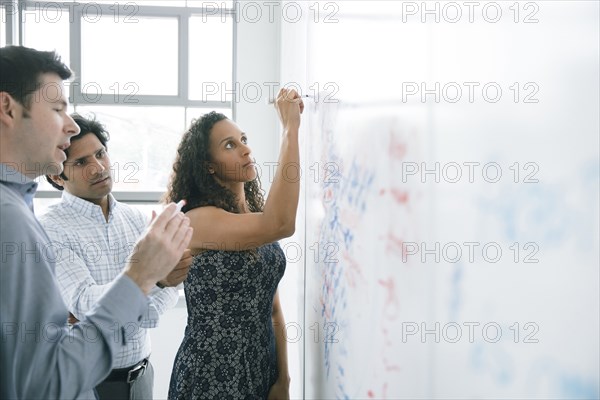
40 357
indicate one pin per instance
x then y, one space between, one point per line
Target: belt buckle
133 374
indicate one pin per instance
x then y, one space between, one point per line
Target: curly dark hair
190 179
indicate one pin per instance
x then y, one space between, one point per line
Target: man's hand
179 274
158 250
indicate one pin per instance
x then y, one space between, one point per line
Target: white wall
258 67
165 342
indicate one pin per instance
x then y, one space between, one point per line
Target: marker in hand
306 96
179 206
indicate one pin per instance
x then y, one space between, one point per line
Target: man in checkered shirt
93 235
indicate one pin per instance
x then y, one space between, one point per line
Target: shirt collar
87 208
23 185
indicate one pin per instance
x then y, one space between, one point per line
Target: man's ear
8 108
56 179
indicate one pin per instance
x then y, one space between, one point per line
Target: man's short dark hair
21 68
86 126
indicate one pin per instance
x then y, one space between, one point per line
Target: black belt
130 374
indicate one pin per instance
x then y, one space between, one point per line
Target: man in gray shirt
39 356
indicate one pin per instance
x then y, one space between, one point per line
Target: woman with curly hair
234 345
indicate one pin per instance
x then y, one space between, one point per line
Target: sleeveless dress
228 351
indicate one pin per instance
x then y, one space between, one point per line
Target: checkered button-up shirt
90 253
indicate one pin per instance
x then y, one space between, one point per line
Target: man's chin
54 168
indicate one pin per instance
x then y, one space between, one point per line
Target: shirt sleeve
160 301
40 356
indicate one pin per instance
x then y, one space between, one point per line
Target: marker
178 208
306 96
179 205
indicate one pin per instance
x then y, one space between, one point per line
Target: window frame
14 35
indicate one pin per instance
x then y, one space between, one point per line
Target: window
210 75
143 58
141 68
2 27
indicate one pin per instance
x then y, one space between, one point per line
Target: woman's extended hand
289 107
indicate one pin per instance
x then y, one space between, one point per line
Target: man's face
44 130
88 170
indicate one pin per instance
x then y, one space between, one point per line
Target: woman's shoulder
203 213
202 209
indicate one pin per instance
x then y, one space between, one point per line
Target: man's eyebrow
82 158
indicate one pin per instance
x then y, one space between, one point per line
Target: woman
234 345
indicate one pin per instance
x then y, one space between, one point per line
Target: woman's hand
289 106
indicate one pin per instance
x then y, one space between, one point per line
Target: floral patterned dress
228 351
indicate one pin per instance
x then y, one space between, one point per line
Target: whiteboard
452 241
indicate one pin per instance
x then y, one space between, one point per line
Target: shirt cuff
125 301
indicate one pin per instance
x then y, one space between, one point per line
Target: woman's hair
190 179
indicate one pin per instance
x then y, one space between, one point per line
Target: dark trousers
119 389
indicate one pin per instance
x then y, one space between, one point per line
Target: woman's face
231 157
